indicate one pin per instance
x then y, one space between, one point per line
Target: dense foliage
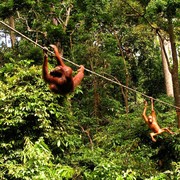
97 132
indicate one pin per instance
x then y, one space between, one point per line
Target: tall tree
166 70
166 16
8 11
163 16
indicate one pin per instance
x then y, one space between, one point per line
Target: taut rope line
108 79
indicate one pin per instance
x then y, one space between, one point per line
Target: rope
92 72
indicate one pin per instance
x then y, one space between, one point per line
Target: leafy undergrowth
46 136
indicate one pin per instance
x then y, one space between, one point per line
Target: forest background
97 132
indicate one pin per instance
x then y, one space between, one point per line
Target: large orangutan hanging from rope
152 122
60 79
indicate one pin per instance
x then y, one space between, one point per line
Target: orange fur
60 79
152 122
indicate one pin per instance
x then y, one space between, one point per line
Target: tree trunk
96 112
96 99
68 12
174 72
125 90
167 73
12 35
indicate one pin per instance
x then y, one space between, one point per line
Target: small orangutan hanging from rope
152 122
60 79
